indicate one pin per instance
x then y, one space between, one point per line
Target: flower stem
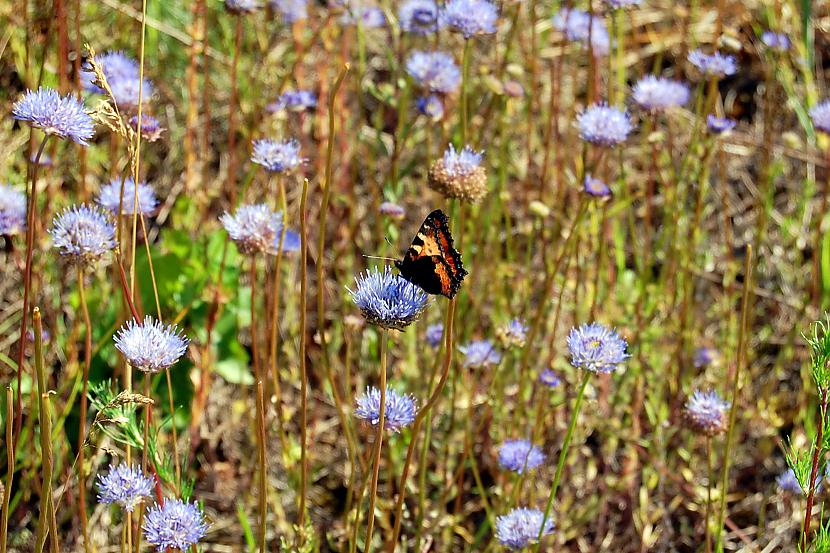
10 461
263 467
373 491
82 416
808 513
303 367
709 476
465 70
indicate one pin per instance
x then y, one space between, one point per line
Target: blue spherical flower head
294 100
370 17
579 26
595 187
434 71
603 125
242 7
459 175
596 348
399 413
175 525
55 115
83 234
705 357
110 197
715 65
434 335
480 353
256 229
125 485
277 156
151 128
12 211
520 527
432 106
778 42
706 413
513 334
520 455
388 300
719 125
655 94
788 483
471 17
116 66
393 210
549 378
291 10
420 17
820 114
150 346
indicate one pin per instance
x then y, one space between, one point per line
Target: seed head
459 175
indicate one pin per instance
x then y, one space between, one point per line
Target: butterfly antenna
378 257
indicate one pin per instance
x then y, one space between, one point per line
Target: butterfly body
432 262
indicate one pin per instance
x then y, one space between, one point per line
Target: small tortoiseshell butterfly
431 261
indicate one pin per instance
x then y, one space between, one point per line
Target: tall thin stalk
263 466
709 477
373 490
10 466
83 409
234 101
45 420
465 77
303 367
808 512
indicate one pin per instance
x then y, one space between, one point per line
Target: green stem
465 70
373 491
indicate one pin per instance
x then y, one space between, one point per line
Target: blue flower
578 25
549 378
276 156
706 412
513 334
719 125
256 229
150 346
125 485
63 117
520 455
242 7
434 335
420 17
471 17
704 357
778 42
463 163
151 128
620 4
596 348
604 125
432 106
659 94
520 527
788 482
393 210
12 210
595 187
176 525
83 233
434 71
371 17
714 65
480 353
110 197
399 413
387 299
294 100
123 77
820 114
291 10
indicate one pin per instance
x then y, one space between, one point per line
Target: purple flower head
595 187
110 197
277 156
719 125
596 348
706 413
432 106
83 234
520 455
621 4
716 65
125 485
434 71
63 117
420 17
123 77
254 228
12 210
399 413
291 10
788 483
778 42
463 163
370 17
434 335
578 25
820 114
294 100
150 346
520 527
704 357
175 525
480 353
242 7
393 210
603 125
387 299
151 128
471 17
653 93
513 334
549 378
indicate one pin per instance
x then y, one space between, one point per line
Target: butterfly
431 261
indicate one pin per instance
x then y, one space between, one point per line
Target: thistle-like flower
512 335
420 17
521 526
596 348
656 94
370 17
12 210
175 525
151 128
719 125
242 7
578 25
150 346
399 413
549 378
294 100
432 106
110 197
778 42
123 76
434 71
83 234
459 175
603 125
388 300
291 10
276 156
715 65
480 353
595 187
434 335
393 210
63 117
820 114
125 485
520 455
471 17
705 413
256 229
788 482
705 356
